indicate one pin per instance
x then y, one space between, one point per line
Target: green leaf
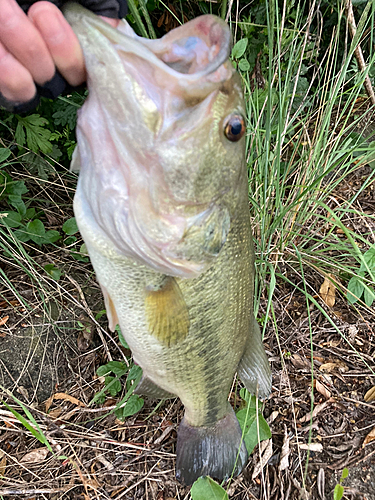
338 492
37 136
16 201
20 135
30 213
4 154
369 257
102 371
38 435
121 337
51 236
249 425
368 296
355 290
244 65
239 48
70 226
133 405
53 271
112 385
344 474
22 235
12 219
70 240
16 188
206 488
117 367
36 227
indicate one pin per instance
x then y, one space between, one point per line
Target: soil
52 343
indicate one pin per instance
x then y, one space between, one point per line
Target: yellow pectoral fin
110 309
167 314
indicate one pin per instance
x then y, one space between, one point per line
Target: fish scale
162 205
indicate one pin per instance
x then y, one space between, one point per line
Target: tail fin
254 369
216 451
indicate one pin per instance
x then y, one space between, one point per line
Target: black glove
116 9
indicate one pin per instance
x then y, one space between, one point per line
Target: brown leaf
328 290
35 456
67 397
317 409
334 366
370 395
317 447
3 463
265 451
370 437
300 363
322 389
3 320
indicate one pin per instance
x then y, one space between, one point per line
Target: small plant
357 288
113 385
254 427
339 488
206 488
70 228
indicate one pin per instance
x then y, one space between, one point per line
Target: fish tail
217 451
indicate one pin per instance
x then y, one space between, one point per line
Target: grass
311 171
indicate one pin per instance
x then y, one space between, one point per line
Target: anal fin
147 387
254 368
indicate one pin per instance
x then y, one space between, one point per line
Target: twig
10 491
91 316
358 51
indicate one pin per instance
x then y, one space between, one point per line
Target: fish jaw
155 166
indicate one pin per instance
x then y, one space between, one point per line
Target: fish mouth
186 54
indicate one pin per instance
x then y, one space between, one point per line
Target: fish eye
235 128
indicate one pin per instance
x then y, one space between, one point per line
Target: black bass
162 205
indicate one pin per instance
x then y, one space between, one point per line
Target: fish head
161 139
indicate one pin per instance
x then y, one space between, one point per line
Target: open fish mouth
195 50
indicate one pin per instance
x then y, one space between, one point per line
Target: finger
16 82
61 41
24 42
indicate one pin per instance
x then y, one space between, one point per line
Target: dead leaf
322 389
285 451
3 463
317 447
370 437
3 320
35 456
300 363
265 451
328 290
370 395
334 366
316 411
67 397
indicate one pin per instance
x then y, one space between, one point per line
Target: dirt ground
51 345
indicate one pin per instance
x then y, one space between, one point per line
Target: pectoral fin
254 369
110 309
148 388
166 311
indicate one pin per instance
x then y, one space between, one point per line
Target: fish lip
147 49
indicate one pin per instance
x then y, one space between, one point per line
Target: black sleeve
108 8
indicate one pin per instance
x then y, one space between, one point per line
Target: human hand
32 46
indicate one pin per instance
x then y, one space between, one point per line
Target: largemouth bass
162 205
